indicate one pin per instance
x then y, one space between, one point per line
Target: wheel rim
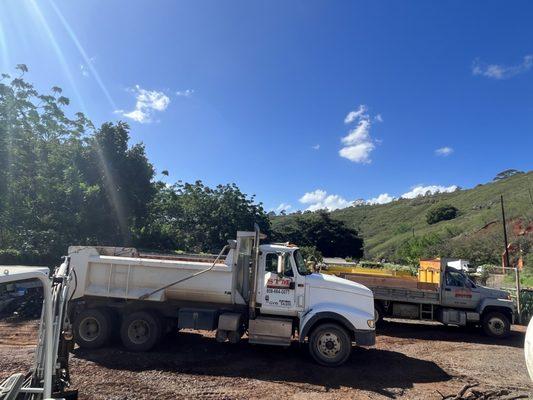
89 329
139 331
496 326
329 345
376 315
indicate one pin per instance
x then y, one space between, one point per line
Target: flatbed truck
439 293
265 290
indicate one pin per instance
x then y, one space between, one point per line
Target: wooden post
518 308
507 261
508 264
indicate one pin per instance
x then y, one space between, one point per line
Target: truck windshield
300 263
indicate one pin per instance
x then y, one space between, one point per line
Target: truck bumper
365 337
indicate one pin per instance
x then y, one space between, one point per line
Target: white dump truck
265 290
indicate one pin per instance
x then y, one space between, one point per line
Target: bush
17 257
526 303
443 212
415 248
311 253
370 264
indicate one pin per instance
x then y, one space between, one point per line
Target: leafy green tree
59 179
507 174
195 217
442 212
121 179
330 236
38 147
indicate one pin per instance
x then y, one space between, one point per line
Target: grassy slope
384 227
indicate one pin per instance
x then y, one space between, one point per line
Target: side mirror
281 262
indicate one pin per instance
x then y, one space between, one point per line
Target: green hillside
475 233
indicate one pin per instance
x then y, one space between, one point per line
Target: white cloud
283 207
496 71
353 115
313 197
185 93
378 118
316 147
319 200
359 153
444 151
358 143
431 189
359 134
383 198
147 102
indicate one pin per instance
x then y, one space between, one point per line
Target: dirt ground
410 361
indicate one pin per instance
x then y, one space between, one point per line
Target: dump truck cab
288 288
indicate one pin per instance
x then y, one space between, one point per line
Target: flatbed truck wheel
92 328
496 324
330 345
140 331
378 314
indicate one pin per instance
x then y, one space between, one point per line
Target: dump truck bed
102 272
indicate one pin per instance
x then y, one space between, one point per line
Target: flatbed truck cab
264 290
439 293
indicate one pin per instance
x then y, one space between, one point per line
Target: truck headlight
371 323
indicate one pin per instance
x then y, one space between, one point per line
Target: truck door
458 291
277 293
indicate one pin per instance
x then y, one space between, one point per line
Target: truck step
272 331
427 312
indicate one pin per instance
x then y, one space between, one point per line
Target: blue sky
303 103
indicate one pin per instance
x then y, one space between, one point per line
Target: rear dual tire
140 331
92 328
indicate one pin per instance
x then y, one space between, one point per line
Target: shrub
441 213
311 253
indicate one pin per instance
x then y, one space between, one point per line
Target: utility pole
508 263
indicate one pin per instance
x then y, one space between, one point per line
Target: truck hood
492 293
331 282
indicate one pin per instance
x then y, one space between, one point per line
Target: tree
39 174
121 179
417 247
59 177
195 217
442 212
330 236
311 254
506 174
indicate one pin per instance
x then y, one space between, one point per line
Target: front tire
140 331
378 314
496 324
330 345
92 328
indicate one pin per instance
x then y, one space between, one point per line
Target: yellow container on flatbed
429 271
335 270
